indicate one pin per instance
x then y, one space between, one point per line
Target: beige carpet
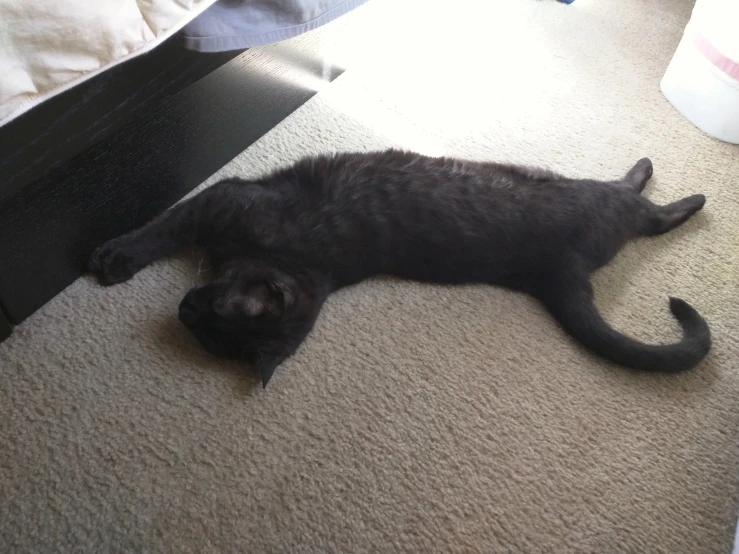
415 418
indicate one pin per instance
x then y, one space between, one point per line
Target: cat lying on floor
282 243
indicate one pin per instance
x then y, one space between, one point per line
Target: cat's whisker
200 267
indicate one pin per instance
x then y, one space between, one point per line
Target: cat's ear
266 366
282 297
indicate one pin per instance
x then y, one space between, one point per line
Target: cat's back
351 173
414 185
392 175
403 194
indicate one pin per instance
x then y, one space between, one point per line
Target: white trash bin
702 80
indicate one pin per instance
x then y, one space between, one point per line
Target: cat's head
255 313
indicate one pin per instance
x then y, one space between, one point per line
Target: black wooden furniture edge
49 226
4 327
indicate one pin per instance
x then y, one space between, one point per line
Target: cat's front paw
114 262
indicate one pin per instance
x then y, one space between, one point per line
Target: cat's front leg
121 258
118 259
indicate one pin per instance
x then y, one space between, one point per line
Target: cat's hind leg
637 177
661 219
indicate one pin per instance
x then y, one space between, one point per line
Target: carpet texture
415 418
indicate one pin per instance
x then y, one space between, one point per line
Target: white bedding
48 46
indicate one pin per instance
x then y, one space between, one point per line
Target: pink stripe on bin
728 66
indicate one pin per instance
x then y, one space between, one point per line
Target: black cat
281 244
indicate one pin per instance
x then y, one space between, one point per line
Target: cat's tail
574 309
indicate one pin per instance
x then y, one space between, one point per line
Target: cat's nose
188 312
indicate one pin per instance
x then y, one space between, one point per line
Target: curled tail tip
683 311
700 200
695 327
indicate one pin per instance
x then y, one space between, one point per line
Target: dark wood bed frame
109 154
